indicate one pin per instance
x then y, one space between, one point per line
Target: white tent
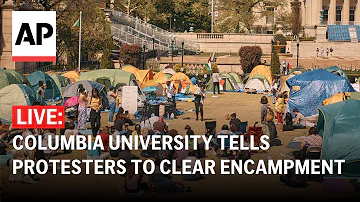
258 84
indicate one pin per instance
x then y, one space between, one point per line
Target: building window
270 15
352 14
338 13
326 13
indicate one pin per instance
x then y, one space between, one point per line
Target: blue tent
52 91
312 88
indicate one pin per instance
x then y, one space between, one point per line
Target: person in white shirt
274 89
216 79
199 101
284 67
170 94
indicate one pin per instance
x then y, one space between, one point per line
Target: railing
210 36
149 31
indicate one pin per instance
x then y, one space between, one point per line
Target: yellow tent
159 78
72 75
181 80
142 76
338 97
262 70
284 86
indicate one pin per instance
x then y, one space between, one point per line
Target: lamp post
297 56
182 54
172 50
272 48
153 40
144 48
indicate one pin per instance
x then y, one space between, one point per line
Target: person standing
322 52
327 52
317 52
41 89
280 108
82 109
199 101
112 95
216 79
284 67
95 104
331 50
274 89
170 94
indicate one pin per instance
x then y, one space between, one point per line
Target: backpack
269 114
275 142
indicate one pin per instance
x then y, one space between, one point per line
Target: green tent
60 81
6 78
336 70
238 81
339 126
16 94
20 78
114 77
52 90
228 84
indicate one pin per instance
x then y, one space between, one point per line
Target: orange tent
142 76
72 75
264 71
183 80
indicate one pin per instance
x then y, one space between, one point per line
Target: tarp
339 126
262 70
258 82
309 89
72 90
72 75
336 70
52 90
178 80
16 94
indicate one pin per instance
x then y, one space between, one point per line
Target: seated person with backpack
314 139
236 122
299 121
289 124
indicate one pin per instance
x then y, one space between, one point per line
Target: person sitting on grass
133 182
119 124
160 126
235 121
299 121
194 176
314 139
104 134
95 153
291 179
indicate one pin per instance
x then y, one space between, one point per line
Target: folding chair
313 152
243 126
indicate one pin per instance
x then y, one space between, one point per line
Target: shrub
282 39
275 62
177 68
130 54
250 56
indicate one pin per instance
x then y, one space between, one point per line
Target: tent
169 71
20 78
264 71
283 86
142 76
226 83
297 70
258 82
71 90
72 75
339 97
114 77
60 81
159 78
336 70
238 80
309 89
182 83
52 90
16 94
339 126
6 78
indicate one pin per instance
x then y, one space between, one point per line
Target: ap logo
34 36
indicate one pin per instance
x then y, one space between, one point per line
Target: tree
239 15
275 62
296 17
96 34
250 56
130 54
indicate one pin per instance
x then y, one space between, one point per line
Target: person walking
112 95
216 79
317 52
274 89
327 52
331 50
199 101
170 94
82 109
322 52
95 104
284 67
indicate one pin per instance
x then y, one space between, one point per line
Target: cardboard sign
129 98
296 88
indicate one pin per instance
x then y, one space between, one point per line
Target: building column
345 12
316 7
332 12
308 12
6 45
357 13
